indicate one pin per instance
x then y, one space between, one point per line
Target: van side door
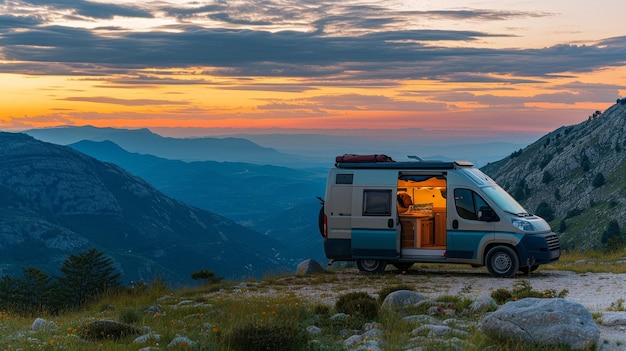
375 224
471 228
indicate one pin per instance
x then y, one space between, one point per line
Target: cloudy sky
494 67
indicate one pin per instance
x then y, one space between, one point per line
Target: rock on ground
544 322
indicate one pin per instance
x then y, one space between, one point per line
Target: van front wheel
502 261
371 266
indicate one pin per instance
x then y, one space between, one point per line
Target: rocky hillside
573 176
57 201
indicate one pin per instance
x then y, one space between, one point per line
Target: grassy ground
234 317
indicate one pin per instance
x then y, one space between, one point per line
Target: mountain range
144 141
290 150
58 201
573 176
168 216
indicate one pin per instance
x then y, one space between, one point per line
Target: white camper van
378 212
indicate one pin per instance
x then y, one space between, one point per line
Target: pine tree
86 276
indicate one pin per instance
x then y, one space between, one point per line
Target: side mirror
487 214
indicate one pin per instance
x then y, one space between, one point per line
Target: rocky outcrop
545 322
560 170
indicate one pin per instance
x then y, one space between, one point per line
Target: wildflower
264 313
52 341
215 329
273 312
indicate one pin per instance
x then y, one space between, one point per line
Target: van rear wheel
502 261
371 266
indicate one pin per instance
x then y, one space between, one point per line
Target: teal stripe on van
373 243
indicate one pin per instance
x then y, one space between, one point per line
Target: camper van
377 212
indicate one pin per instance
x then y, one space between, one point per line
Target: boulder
544 322
108 329
613 318
399 299
483 303
309 267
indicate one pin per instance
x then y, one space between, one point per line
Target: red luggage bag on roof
352 158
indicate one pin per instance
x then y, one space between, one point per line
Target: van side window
376 202
468 203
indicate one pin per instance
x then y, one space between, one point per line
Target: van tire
502 261
371 266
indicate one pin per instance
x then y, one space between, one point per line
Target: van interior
422 210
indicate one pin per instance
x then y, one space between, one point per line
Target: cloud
345 45
124 102
92 9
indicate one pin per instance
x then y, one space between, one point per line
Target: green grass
589 262
225 316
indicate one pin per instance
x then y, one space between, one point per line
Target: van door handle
390 223
455 224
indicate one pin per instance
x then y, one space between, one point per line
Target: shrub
382 294
612 237
523 289
516 153
322 310
562 226
545 160
130 315
598 180
357 304
208 277
547 177
545 211
585 163
278 336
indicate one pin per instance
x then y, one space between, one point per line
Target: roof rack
405 165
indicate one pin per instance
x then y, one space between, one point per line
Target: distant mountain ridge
143 141
575 175
57 201
278 202
294 151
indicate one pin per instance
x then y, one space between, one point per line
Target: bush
545 211
612 237
358 304
598 181
547 177
130 315
562 226
523 289
322 310
278 336
585 163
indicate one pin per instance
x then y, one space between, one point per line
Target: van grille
553 242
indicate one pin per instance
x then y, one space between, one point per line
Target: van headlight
523 225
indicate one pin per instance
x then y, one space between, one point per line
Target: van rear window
344 178
377 202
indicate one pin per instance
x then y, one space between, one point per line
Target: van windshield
505 201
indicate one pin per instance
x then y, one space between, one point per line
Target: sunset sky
491 67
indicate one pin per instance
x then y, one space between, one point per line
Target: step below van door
375 224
